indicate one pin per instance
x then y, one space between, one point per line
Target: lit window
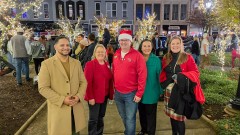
59 8
81 9
35 12
70 10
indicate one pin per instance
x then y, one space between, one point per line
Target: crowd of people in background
133 73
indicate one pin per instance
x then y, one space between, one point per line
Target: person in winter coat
196 51
178 68
63 84
38 53
99 89
148 105
106 37
82 54
90 48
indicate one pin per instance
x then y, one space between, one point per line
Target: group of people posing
135 81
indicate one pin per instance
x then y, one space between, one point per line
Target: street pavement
114 125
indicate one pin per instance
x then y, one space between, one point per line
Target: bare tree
201 19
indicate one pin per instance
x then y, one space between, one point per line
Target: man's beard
63 54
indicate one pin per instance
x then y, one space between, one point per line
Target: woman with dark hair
106 37
196 51
148 105
179 75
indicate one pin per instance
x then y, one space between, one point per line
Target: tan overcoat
54 85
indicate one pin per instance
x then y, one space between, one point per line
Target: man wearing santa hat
130 73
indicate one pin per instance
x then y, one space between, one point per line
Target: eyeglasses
124 40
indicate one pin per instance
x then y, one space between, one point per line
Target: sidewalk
114 126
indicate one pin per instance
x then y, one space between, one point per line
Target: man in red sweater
130 73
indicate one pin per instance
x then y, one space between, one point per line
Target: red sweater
100 81
129 73
190 70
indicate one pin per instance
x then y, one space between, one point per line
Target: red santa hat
125 34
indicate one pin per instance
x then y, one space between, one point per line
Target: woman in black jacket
196 51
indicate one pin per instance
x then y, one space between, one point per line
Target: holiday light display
203 5
114 26
101 23
68 29
147 27
10 24
226 15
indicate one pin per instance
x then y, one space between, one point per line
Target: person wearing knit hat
130 73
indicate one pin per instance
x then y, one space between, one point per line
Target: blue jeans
127 109
196 59
20 62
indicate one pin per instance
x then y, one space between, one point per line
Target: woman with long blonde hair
179 74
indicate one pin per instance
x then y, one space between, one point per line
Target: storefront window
59 8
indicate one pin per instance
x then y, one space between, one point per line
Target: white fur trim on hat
125 36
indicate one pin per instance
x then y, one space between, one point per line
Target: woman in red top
99 89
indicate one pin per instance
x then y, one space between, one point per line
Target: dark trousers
178 127
96 114
37 64
147 115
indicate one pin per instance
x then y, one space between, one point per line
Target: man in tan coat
62 83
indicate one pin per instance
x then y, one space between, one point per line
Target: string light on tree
68 29
11 24
101 23
114 26
147 27
207 5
